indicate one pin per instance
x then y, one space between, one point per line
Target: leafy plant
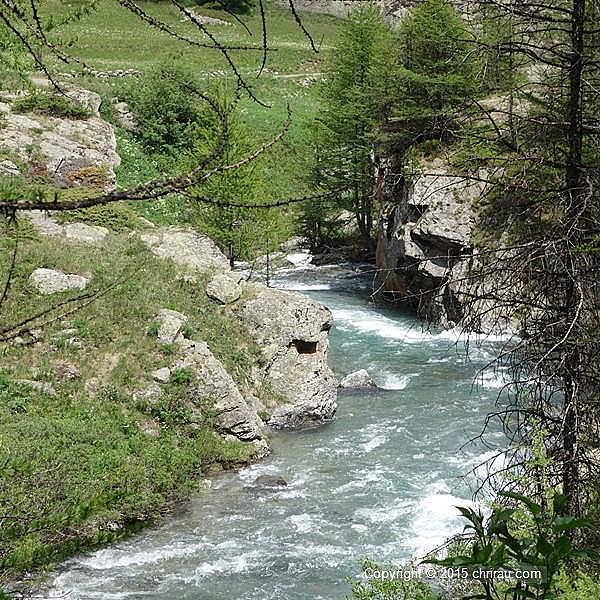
181 376
499 542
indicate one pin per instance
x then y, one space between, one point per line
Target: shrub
54 105
165 108
577 587
115 216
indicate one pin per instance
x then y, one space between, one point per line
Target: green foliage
438 67
496 31
353 100
500 542
242 231
234 6
390 589
54 105
117 217
578 586
181 376
79 470
166 108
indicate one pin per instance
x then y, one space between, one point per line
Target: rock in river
292 331
358 379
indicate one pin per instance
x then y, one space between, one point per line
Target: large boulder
50 281
270 481
223 289
214 395
188 249
170 324
358 379
292 331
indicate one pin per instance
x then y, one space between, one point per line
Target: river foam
381 481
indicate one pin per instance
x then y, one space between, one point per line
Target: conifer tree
438 66
353 100
241 230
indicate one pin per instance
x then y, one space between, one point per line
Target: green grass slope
88 463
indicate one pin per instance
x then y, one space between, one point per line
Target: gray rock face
49 281
223 289
292 331
171 323
358 379
71 151
44 223
186 248
425 234
214 394
76 232
426 250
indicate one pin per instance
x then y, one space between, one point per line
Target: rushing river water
381 481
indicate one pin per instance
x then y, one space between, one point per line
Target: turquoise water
381 481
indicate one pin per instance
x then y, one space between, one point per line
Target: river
381 481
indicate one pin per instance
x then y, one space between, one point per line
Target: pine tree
438 66
353 100
241 230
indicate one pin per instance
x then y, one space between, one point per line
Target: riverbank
115 412
381 480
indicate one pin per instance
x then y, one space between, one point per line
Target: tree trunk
576 208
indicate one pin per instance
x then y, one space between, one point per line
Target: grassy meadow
112 38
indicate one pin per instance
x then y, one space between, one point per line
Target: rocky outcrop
214 395
426 252
76 232
425 234
71 152
50 281
292 332
188 249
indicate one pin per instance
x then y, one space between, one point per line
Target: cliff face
426 254
425 231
